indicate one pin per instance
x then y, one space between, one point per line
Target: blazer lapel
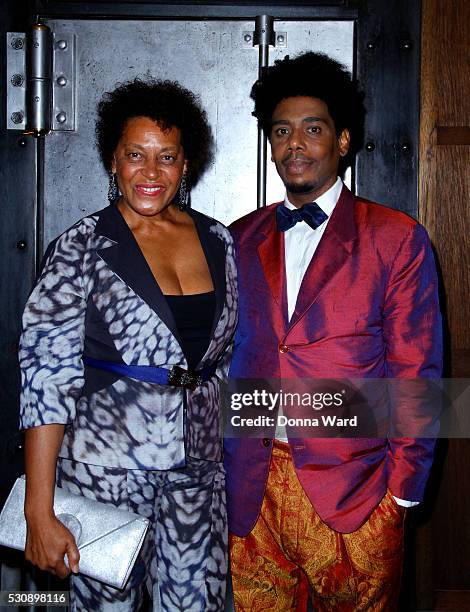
214 251
332 252
127 261
271 255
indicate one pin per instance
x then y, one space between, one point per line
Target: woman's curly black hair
317 76
168 104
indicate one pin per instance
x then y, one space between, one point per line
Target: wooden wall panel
452 236
444 202
443 551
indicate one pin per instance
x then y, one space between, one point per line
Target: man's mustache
295 157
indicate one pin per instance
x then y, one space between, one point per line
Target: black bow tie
311 213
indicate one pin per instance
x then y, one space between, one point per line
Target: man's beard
299 188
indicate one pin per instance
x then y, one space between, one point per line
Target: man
342 288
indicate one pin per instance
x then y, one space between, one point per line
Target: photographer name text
282 421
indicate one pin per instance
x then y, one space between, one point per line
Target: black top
194 317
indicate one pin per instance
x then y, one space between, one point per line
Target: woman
143 282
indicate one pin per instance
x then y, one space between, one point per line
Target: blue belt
176 377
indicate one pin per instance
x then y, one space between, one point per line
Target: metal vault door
215 59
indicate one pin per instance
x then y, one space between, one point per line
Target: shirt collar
327 201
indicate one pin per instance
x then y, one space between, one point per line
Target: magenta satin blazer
367 308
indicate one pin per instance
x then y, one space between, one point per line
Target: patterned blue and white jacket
96 296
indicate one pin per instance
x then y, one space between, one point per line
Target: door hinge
40 81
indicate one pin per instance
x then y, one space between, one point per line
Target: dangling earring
113 191
183 194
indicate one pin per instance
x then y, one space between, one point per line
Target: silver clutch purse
108 539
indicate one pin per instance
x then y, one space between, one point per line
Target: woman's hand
47 542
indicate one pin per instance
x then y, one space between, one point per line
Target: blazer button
266 441
283 348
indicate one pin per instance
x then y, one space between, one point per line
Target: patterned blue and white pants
183 561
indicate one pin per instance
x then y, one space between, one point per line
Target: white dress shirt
300 244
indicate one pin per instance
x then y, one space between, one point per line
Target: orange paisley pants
292 555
